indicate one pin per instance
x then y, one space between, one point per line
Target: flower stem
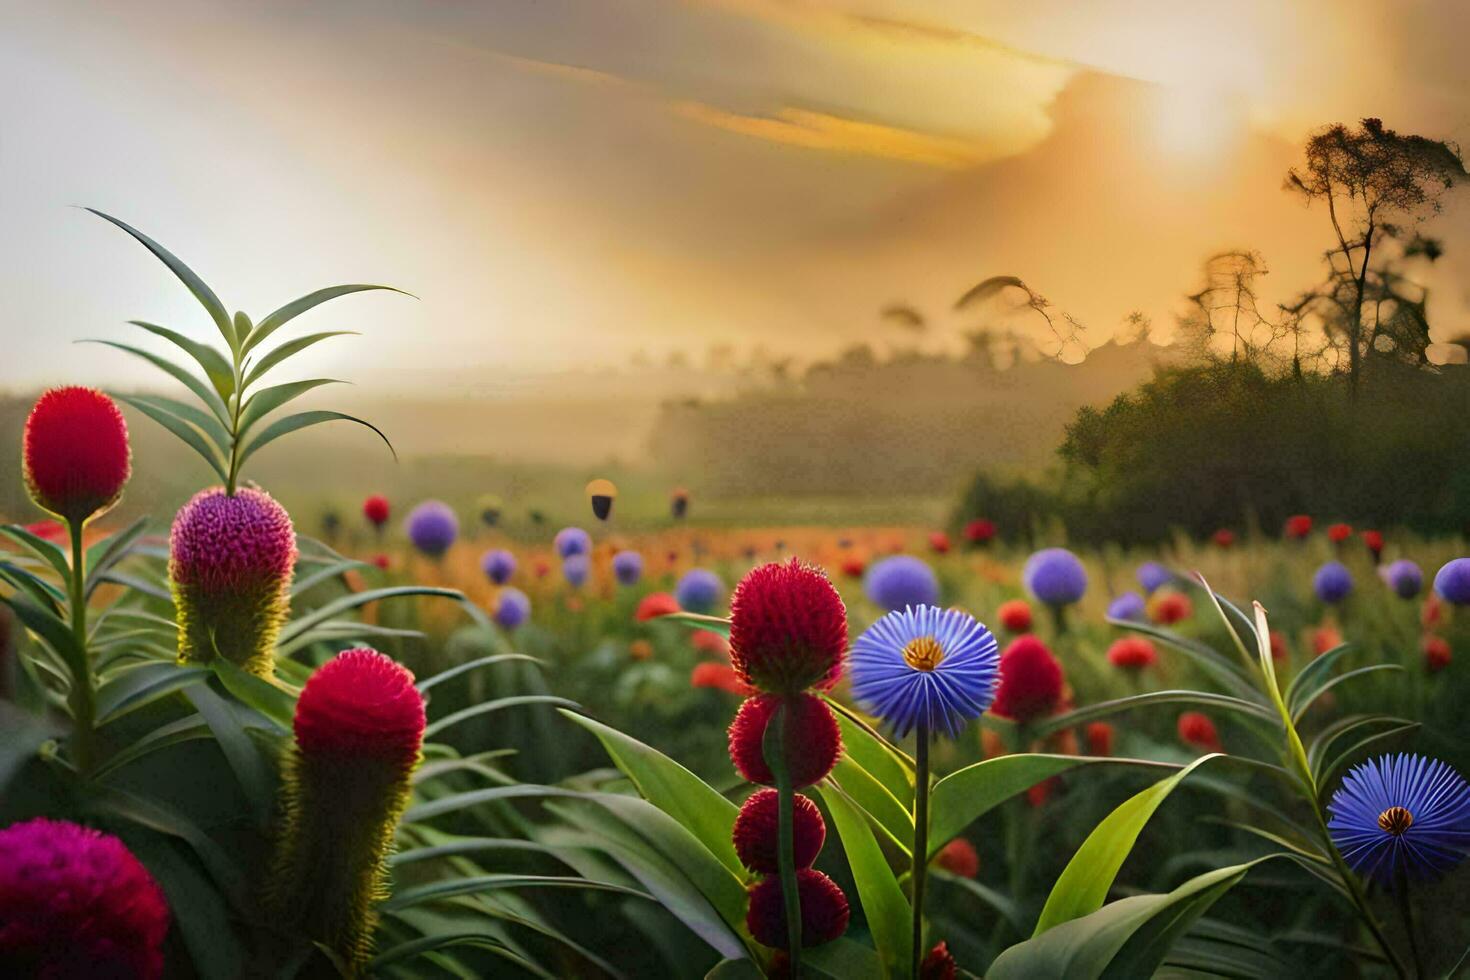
921 836
774 748
1406 908
83 697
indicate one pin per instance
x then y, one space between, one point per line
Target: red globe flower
1325 638
939 542
654 605
980 531
1099 738
824 910
1436 653
74 453
360 705
1432 612
938 964
1338 533
756 832
381 561
1374 542
1224 538
1132 653
959 857
788 628
1030 681
1298 526
48 531
1168 608
1198 731
813 740
720 676
711 643
1279 649
375 509
854 567
1014 615
76 903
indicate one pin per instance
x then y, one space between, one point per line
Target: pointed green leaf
218 370
699 621
437 891
270 699
464 668
267 400
134 687
295 308
873 798
1314 674
301 420
193 414
498 704
197 286
46 595
111 550
1084 883
203 391
887 910
183 730
47 551
288 349
338 606
187 431
1102 709
1308 697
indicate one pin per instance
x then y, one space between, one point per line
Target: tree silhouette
1376 185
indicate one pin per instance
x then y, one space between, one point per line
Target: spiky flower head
230 565
571 541
1055 576
654 605
1339 532
1452 582
74 453
575 569
346 780
432 527
75 902
627 567
927 666
938 964
1401 814
901 581
1031 681
980 531
813 739
755 834
1014 615
1404 577
1437 652
699 590
498 565
824 910
375 508
1196 729
788 628
1333 582
512 608
1151 575
1132 653
1129 606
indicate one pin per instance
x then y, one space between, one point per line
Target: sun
1194 122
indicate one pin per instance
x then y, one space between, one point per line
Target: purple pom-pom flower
627 567
901 581
699 590
571 541
498 565
432 527
1404 577
1153 576
1452 582
575 569
512 608
1129 606
1333 582
1055 576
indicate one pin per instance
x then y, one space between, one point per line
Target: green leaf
879 757
467 845
843 959
302 420
414 948
962 797
487 707
187 431
1083 885
162 818
1124 939
356 599
464 668
106 553
741 969
46 595
47 551
327 572
673 789
175 732
45 624
192 414
1102 709
873 798
251 771
267 400
133 687
1330 768
1000 903
202 292
887 910
220 372
200 913
1314 674
436 891
699 621
1222 670
1324 740
1308 699
266 697
204 392
288 349
279 318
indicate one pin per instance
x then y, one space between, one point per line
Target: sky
563 183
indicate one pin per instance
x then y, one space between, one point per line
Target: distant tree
1377 185
1064 327
1227 305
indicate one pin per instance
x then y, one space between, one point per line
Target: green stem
1406 908
921 837
1355 890
774 747
1058 619
83 697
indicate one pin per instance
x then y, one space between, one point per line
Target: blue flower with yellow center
923 664
1401 813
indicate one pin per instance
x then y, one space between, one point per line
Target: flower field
439 743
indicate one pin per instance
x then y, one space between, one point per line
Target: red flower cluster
1223 538
959 857
1030 681
1198 731
1338 533
755 832
375 509
1436 653
788 628
938 964
813 740
854 566
1374 542
824 910
939 542
1298 526
1168 608
1132 653
654 605
980 531
74 453
1014 615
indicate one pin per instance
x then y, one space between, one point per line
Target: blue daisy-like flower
1401 812
925 664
